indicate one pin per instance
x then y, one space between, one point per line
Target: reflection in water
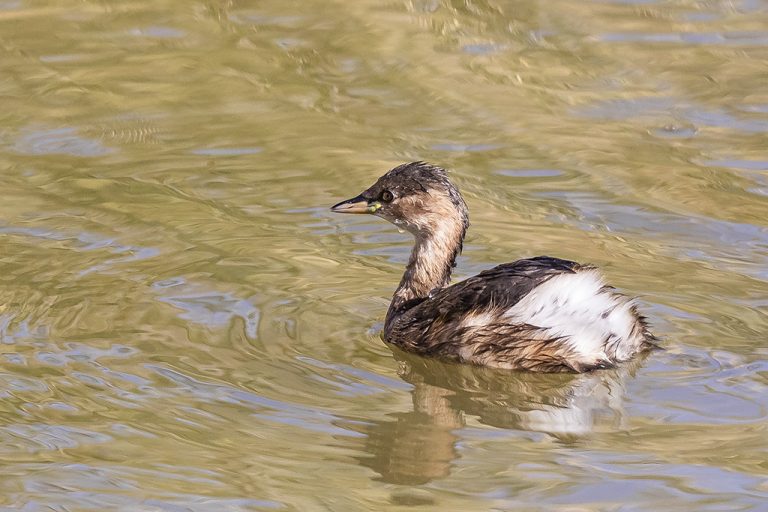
419 446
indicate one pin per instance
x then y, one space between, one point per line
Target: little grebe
542 314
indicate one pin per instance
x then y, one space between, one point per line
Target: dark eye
387 196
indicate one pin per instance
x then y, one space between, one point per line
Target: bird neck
429 267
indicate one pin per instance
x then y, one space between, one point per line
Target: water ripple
54 141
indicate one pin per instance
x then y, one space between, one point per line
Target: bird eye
387 196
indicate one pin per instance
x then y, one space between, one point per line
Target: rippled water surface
185 326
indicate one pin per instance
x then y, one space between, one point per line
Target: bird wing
446 309
501 286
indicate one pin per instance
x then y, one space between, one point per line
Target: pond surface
185 326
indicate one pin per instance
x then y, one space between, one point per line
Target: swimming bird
541 314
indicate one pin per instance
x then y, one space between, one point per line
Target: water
185 326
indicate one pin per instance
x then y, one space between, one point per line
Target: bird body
541 314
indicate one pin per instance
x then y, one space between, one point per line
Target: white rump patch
577 308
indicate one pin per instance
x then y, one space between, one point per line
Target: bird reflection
418 446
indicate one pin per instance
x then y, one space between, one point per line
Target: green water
185 326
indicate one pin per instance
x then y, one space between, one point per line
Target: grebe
540 314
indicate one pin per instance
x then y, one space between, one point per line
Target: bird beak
357 204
